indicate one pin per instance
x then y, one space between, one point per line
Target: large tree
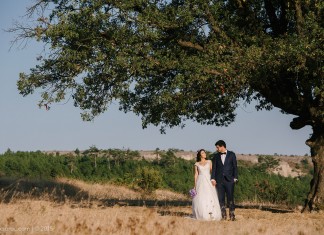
170 61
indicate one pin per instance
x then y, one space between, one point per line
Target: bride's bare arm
196 174
211 165
211 171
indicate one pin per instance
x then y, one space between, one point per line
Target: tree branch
271 12
283 17
213 72
299 122
190 45
299 16
214 25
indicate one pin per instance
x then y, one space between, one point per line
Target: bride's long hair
198 159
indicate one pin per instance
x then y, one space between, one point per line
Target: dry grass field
75 207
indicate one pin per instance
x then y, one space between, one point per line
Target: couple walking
221 171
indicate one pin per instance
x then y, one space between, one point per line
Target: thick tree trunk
315 199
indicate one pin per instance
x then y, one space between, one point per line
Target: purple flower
193 192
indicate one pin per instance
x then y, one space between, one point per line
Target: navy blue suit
224 174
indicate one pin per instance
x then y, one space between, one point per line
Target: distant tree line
126 167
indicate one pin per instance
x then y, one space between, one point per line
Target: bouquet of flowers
192 192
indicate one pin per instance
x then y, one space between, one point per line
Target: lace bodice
203 169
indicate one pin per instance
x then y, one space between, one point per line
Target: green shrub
148 179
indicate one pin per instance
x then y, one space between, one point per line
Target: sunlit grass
75 207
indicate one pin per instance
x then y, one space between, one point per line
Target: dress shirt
223 157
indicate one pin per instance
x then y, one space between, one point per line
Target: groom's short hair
220 143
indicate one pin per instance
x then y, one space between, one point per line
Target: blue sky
25 127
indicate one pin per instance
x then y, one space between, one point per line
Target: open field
75 207
43 217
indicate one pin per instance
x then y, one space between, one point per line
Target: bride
205 205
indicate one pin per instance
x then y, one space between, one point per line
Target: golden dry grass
93 215
104 191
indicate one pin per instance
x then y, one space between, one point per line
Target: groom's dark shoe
224 216
232 216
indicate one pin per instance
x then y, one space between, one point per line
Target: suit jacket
224 172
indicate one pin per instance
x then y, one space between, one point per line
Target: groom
224 176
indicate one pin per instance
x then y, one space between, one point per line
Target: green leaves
148 179
169 61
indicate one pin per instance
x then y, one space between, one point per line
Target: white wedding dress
205 205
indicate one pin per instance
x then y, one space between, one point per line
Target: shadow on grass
15 189
174 213
266 208
184 214
144 202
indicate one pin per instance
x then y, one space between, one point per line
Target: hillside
288 165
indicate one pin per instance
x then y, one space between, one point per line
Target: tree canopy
170 61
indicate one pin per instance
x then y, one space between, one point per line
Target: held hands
213 182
